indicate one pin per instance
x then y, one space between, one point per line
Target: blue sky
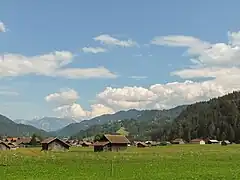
40 27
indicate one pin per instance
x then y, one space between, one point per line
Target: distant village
108 142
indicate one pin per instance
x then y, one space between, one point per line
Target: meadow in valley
165 162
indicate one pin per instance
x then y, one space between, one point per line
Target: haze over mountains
67 126
47 123
10 128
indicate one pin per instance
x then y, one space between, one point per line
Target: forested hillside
218 118
111 121
139 128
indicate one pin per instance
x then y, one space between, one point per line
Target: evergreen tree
33 141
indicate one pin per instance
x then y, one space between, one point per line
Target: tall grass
168 163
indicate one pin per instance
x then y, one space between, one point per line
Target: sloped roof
118 139
51 139
24 140
100 143
5 144
178 140
196 140
48 140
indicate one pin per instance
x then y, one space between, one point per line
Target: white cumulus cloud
2 27
64 97
138 77
217 70
205 53
94 50
51 64
65 102
109 40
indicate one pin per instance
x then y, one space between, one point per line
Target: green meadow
167 162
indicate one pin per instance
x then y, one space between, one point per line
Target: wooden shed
54 144
4 146
111 143
101 146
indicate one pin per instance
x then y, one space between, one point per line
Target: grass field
167 163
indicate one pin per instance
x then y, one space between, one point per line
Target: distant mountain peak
47 123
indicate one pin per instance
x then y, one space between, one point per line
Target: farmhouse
197 141
111 143
54 144
4 146
178 141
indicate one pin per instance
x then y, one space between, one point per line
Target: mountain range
73 129
47 123
10 128
218 118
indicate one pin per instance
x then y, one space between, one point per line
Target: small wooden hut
54 144
111 143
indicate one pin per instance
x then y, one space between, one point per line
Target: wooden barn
54 144
4 146
111 143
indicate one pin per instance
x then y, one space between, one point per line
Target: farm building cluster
108 142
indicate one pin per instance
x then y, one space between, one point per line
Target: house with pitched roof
111 143
54 144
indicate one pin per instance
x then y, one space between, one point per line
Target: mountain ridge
74 128
9 128
47 123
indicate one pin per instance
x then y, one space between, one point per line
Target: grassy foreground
167 163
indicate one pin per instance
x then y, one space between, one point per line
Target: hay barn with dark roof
111 143
54 144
